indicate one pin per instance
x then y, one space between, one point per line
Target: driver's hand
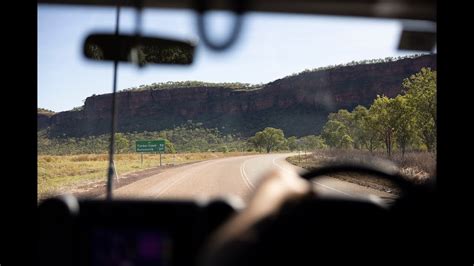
275 188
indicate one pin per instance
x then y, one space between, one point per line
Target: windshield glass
295 91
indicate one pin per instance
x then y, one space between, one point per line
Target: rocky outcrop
44 119
298 104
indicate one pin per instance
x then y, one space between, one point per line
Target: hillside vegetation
405 122
194 84
45 111
401 129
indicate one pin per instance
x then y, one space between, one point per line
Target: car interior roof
396 9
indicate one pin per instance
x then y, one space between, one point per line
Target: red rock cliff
286 103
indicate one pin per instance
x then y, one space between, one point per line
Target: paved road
228 176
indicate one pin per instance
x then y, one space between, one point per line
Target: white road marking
181 178
331 188
245 177
243 174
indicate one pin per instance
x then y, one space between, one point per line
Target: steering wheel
381 169
304 227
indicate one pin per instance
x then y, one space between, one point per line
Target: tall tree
121 143
269 139
312 142
402 116
380 111
421 96
336 134
360 133
292 143
342 116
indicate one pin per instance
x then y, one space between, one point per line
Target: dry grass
416 166
421 164
58 174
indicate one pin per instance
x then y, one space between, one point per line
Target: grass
58 174
418 167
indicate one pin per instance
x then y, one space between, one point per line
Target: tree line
189 137
273 139
355 63
193 84
407 121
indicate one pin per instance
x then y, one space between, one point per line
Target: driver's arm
234 242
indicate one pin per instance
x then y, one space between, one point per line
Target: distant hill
298 104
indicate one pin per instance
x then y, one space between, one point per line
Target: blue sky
271 46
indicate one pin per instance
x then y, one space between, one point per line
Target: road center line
181 178
245 177
331 188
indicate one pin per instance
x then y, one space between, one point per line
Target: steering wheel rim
264 229
384 170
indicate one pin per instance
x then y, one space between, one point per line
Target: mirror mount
202 6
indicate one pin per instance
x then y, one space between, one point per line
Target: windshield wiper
111 170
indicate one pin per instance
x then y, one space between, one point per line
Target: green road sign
150 145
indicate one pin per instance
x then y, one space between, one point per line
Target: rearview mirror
417 41
138 50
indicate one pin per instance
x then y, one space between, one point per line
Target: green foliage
402 123
272 139
336 134
45 111
190 137
121 143
403 119
312 142
224 149
195 84
169 147
421 96
355 63
292 143
78 108
269 139
195 137
381 112
365 134
361 129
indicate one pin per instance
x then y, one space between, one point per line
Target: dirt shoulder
310 162
96 189
417 167
84 175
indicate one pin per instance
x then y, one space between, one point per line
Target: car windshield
295 91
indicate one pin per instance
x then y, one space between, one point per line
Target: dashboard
119 232
181 232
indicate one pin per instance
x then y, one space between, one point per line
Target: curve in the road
227 176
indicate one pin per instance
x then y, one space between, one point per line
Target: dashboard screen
129 247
